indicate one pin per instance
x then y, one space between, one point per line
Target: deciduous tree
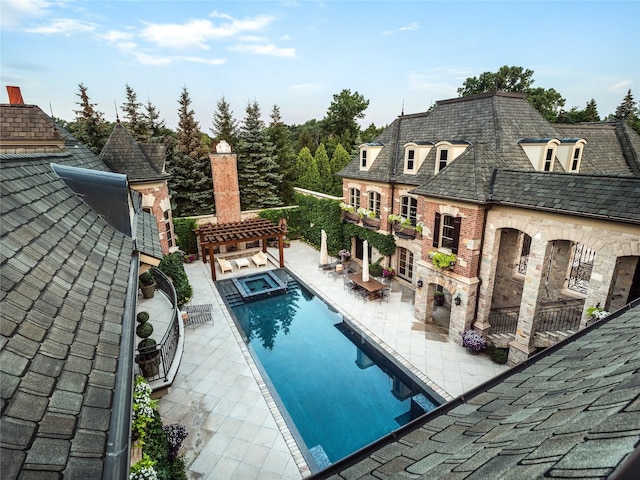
340 121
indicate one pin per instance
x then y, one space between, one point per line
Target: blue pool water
339 391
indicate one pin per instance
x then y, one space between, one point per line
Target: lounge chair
260 259
225 265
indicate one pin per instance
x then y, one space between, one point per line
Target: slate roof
141 163
572 411
493 125
65 277
28 124
599 196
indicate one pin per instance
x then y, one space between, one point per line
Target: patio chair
348 284
225 265
260 259
384 294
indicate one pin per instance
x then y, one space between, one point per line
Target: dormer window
411 155
569 153
414 155
443 157
542 152
368 154
548 160
575 161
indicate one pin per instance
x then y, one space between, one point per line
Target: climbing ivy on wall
183 228
316 214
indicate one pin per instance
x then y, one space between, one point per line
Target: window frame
406 259
548 159
442 151
354 197
363 158
411 160
437 232
409 207
374 202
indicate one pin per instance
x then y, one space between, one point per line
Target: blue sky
298 54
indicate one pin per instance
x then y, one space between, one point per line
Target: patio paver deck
234 431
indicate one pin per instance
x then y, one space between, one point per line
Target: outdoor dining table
373 286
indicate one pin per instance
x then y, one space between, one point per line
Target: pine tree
629 112
225 127
191 184
281 139
258 174
591 112
135 122
158 131
340 159
90 127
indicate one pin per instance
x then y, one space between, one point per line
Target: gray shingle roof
124 155
571 412
600 196
64 278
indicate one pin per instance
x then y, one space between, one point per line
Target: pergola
255 229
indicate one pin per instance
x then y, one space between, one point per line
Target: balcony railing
167 348
559 315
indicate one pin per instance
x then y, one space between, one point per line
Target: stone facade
156 200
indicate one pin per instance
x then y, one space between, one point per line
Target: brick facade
226 191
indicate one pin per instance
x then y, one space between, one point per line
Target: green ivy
186 239
172 266
385 244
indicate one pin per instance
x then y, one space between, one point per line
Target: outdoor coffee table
242 262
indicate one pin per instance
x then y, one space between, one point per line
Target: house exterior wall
155 197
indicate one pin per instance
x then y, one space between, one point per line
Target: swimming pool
338 391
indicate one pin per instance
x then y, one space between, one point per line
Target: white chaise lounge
260 259
225 265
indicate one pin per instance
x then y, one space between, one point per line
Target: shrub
186 238
375 269
147 279
142 317
473 341
144 330
499 355
172 266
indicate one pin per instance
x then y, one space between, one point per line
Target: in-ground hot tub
259 285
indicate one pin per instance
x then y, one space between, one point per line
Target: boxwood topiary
142 317
144 330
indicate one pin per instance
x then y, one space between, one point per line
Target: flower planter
351 217
404 232
149 363
371 223
471 351
148 290
438 300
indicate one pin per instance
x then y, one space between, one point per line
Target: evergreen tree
191 184
307 170
324 171
258 174
89 127
340 159
591 112
370 133
158 131
281 139
134 120
225 127
627 108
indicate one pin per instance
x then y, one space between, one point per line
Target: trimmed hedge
186 240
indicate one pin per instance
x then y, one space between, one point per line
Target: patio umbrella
324 256
365 261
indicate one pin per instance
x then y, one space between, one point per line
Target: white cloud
116 36
442 81
195 33
309 87
406 28
269 49
624 85
64 26
14 12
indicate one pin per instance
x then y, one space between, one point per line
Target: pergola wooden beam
255 229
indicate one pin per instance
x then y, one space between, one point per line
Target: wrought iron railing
581 268
552 316
165 349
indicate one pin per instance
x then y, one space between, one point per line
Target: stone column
522 347
604 267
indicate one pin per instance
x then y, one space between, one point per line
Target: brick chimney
15 96
226 192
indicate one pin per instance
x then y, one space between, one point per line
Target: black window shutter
456 234
436 231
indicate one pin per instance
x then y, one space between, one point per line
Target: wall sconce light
457 300
420 283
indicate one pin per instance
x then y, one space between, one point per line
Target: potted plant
442 260
344 255
349 213
148 357
147 284
438 298
473 342
388 273
369 219
596 312
402 226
